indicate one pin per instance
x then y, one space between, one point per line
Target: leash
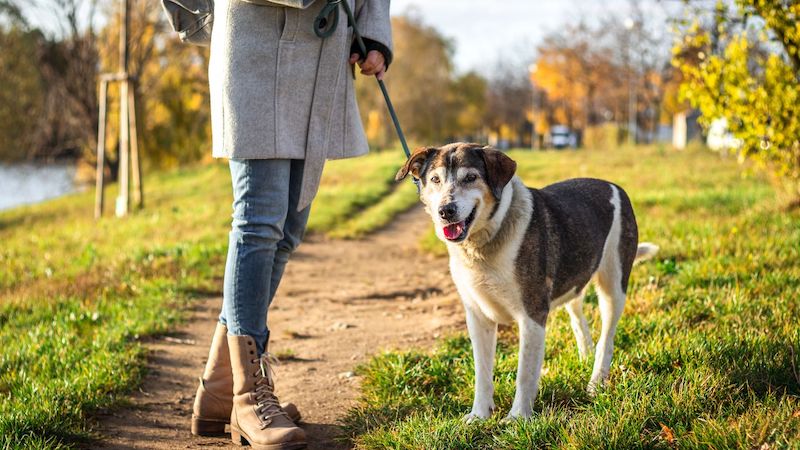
324 25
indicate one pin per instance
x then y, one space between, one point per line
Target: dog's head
461 185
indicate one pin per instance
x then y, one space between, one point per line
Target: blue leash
324 25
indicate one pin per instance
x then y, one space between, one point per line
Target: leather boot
257 418
214 398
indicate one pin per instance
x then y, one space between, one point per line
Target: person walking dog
282 103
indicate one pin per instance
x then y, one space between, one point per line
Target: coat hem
337 156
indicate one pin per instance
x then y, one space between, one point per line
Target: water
22 184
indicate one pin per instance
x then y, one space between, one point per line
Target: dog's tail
645 251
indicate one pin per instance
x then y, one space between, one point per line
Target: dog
516 253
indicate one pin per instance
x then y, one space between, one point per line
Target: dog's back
583 211
571 224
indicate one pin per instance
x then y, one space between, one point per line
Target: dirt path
339 303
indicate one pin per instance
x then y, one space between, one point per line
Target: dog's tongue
453 230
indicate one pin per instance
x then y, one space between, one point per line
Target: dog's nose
448 211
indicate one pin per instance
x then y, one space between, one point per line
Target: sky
485 29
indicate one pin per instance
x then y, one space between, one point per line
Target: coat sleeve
375 25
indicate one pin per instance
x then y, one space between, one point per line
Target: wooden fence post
129 160
101 151
138 190
124 122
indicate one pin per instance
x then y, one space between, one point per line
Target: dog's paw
594 387
473 417
514 415
481 410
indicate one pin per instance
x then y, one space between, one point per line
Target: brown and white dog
517 253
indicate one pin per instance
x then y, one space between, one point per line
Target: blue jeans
266 229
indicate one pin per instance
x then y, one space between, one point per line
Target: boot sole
216 428
207 428
240 440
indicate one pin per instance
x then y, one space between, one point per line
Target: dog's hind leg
611 296
483 334
531 357
611 300
580 327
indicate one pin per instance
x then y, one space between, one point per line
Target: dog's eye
435 179
470 178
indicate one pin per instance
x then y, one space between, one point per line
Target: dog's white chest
491 287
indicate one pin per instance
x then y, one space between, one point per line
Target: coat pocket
191 19
291 22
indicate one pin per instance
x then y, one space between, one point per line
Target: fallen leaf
667 434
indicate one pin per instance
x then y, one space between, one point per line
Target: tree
615 69
509 98
172 86
21 96
49 104
467 99
434 103
418 80
65 118
566 71
751 81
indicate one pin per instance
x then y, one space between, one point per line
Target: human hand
374 64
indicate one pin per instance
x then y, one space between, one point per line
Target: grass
79 296
707 353
379 214
358 195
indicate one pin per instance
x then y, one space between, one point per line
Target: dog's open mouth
457 232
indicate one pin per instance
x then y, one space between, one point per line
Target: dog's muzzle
457 231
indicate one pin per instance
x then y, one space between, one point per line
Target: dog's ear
499 169
415 162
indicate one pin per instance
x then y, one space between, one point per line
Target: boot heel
202 427
238 439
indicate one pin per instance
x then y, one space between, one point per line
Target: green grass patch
77 296
707 353
349 203
379 214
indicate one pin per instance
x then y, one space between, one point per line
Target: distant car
720 138
562 137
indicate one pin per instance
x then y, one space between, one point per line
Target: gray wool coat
280 92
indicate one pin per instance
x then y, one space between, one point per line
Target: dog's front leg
531 357
483 334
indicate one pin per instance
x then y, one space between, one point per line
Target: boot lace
267 404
